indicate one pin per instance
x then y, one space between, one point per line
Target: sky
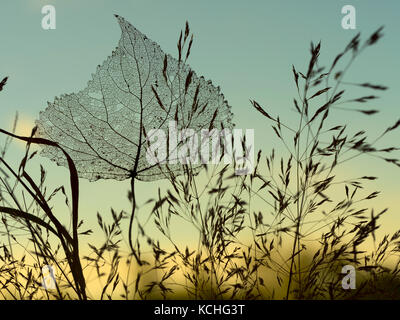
245 47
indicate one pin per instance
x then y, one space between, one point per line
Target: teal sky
245 47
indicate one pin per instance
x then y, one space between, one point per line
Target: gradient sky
245 47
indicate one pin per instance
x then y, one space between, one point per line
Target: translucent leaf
138 88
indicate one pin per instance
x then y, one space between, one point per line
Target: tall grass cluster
293 246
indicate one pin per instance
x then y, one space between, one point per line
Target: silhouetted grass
292 246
